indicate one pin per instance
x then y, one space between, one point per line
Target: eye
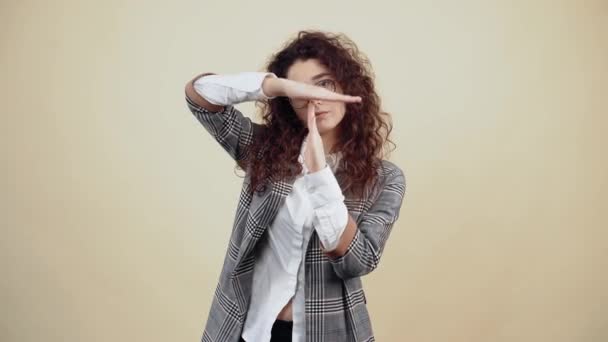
328 84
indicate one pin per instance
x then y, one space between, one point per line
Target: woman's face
312 72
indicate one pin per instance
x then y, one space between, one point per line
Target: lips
320 113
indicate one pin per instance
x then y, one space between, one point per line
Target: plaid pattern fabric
336 307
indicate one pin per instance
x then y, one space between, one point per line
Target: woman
318 200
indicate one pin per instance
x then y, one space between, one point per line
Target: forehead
305 71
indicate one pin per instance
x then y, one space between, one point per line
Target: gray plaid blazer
336 307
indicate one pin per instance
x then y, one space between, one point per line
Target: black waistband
282 323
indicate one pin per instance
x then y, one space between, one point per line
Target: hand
314 153
274 86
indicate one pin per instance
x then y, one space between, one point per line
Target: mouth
320 113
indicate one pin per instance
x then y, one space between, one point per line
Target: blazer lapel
263 209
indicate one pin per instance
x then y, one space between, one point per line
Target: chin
325 128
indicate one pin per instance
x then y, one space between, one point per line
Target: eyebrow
314 78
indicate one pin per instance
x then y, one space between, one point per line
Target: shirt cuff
330 212
323 187
231 89
330 222
260 94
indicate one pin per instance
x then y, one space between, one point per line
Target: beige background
117 205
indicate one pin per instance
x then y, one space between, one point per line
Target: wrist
316 167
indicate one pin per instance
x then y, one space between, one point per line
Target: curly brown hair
365 129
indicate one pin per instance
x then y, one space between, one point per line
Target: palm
314 153
299 90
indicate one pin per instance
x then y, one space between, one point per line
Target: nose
316 102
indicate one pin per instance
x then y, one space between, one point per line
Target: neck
329 141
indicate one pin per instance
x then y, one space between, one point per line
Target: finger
332 98
329 95
344 98
312 121
320 93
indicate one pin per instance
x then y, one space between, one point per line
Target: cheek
339 110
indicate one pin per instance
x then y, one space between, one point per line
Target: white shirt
315 202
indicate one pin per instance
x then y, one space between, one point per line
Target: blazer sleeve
229 127
365 250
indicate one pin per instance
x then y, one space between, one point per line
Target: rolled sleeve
231 89
330 213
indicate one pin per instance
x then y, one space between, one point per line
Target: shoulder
390 180
391 172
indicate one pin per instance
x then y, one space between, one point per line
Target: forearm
209 98
273 86
344 240
215 91
363 253
331 219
